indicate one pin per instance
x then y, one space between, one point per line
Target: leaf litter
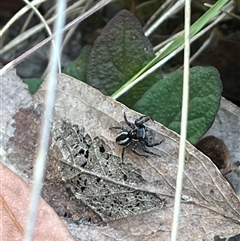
100 179
209 205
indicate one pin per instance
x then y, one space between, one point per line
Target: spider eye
123 138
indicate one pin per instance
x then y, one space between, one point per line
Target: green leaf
120 52
163 101
195 28
33 84
78 67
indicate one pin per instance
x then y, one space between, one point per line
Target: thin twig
46 124
184 119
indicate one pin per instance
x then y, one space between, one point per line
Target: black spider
136 136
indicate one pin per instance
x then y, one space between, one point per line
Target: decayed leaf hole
101 180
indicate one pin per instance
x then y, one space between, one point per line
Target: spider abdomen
124 139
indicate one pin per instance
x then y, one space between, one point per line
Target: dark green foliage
118 54
78 67
33 84
164 100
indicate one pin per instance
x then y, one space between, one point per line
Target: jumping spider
135 136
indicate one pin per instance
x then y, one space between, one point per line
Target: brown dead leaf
209 205
15 194
227 128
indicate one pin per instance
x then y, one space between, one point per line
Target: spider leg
141 120
146 150
152 144
118 128
130 124
136 152
123 151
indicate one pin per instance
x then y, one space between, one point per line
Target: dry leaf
209 205
227 128
15 195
